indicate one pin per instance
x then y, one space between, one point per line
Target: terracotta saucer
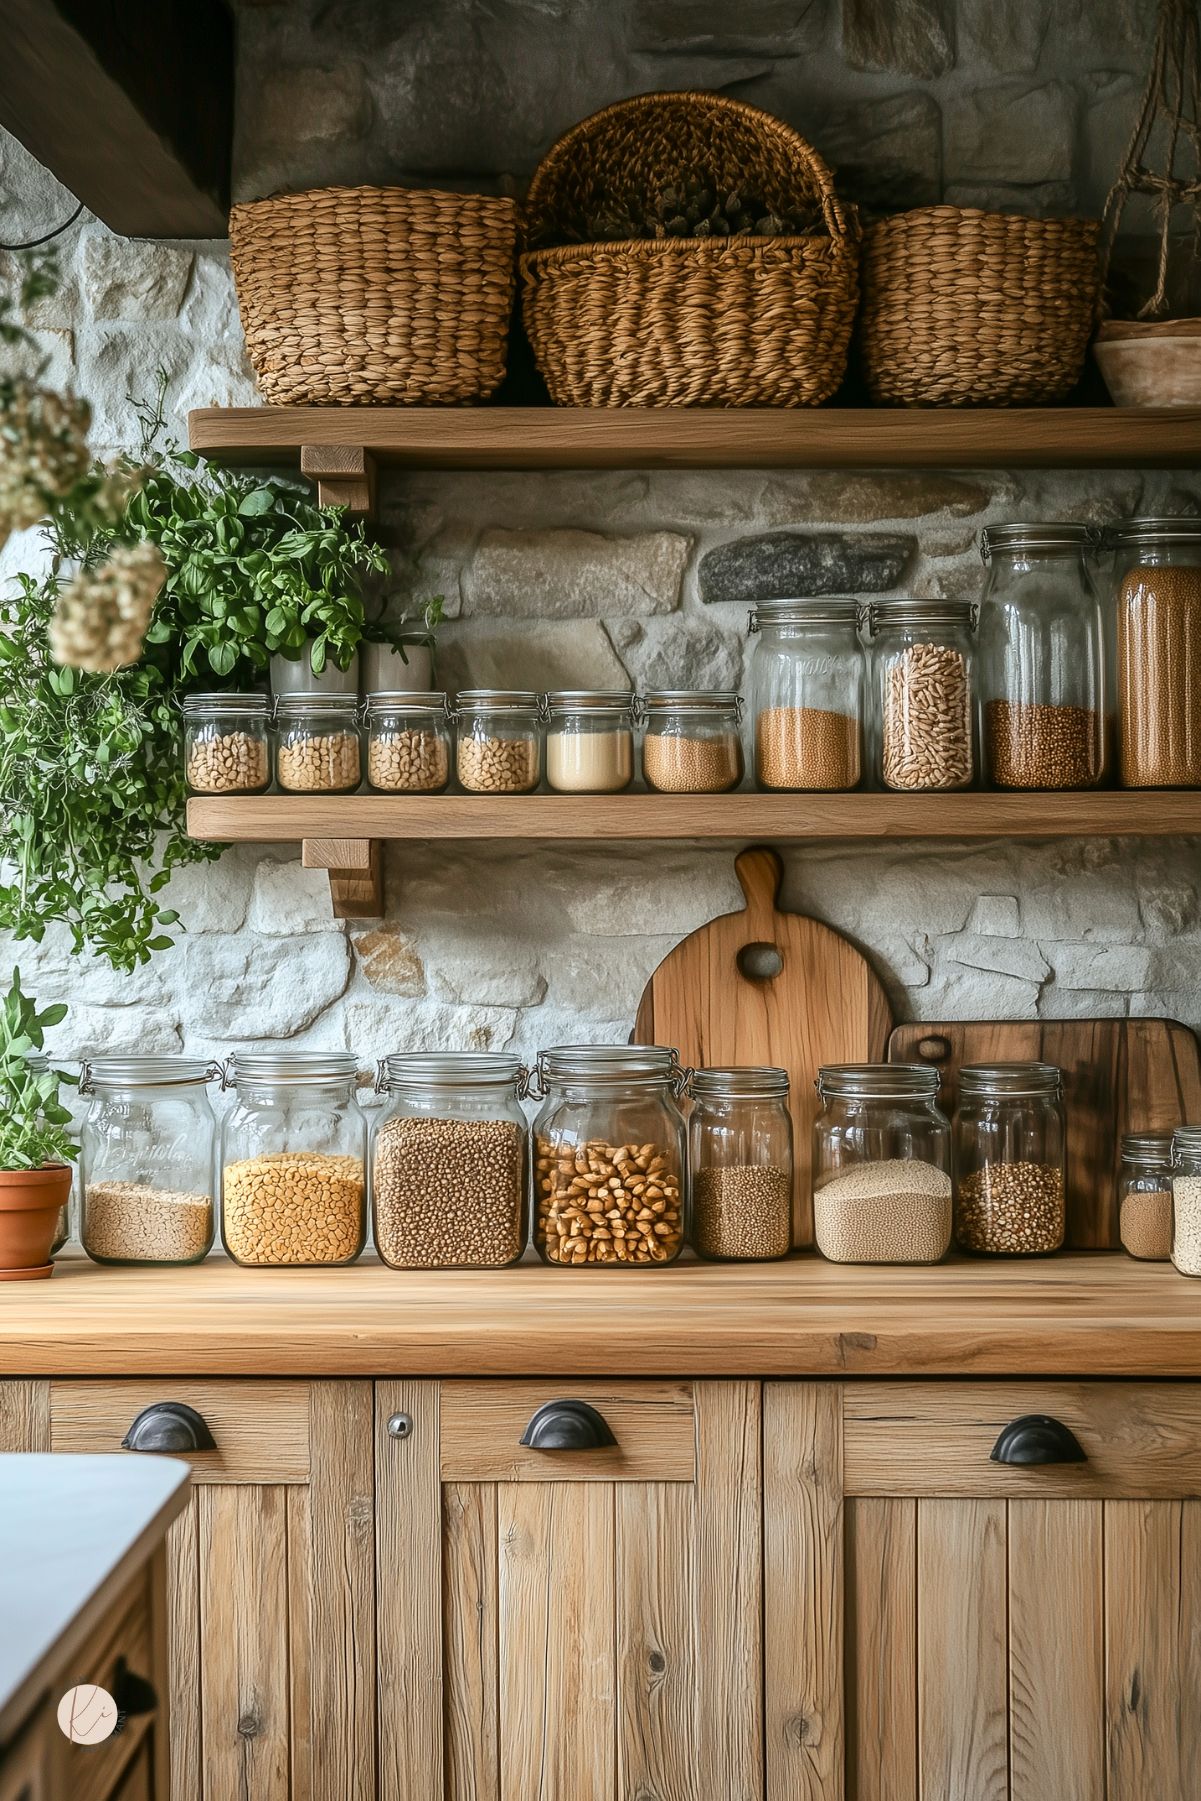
26 1275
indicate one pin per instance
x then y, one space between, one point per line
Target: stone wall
580 579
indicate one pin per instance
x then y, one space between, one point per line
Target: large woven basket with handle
350 296
686 321
967 308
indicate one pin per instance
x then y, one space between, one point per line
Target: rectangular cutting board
762 986
1120 1075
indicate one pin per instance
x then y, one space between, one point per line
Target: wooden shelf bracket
344 474
356 882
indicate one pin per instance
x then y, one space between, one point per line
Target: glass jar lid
588 700
290 1066
226 703
998 1080
904 610
607 1063
739 1082
1186 1142
819 609
878 1081
1134 532
1062 537
498 700
408 1070
317 703
1147 1147
691 700
400 700
144 1072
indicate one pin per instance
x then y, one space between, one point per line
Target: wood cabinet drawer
481 1426
260 1429
93 1772
935 1438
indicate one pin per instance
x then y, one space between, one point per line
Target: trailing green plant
34 1124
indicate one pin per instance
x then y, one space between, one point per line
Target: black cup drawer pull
169 1426
1038 1438
567 1426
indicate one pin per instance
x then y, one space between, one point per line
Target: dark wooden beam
129 103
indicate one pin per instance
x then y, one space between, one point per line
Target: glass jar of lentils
227 743
923 671
692 742
408 742
1157 565
740 1164
881 1164
1009 1160
317 743
609 1156
498 740
807 687
1145 1195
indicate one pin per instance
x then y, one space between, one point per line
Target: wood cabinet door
270 1577
572 1624
942 1627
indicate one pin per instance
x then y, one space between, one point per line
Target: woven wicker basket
737 321
355 295
966 308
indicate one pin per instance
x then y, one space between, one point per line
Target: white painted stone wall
579 579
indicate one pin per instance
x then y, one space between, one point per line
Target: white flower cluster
43 451
100 618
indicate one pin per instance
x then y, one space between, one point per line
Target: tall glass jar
408 742
294 1159
609 1155
589 741
740 1164
146 1159
881 1164
1186 1200
317 748
1009 1159
227 743
499 740
692 742
1145 1195
1044 682
1157 569
807 681
448 1162
924 699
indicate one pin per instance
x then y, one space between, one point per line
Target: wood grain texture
338 1625
300 1638
261 1429
408 1546
1056 1651
356 880
470 1635
826 1005
345 475
962 1653
1140 1439
803 1590
1120 1075
244 1635
159 1750
1074 1315
659 1659
1153 1649
183 1643
728 1554
24 1416
881 1666
482 1424
708 438
126 1633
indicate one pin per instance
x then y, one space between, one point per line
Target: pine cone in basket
691 207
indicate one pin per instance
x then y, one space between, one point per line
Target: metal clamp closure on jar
904 611
1010 1081
691 700
565 1064
825 609
1059 538
145 1072
877 1081
738 1082
284 1068
421 1070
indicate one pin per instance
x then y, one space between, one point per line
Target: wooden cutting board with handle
1120 1075
762 986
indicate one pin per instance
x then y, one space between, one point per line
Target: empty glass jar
807 688
1009 1159
1157 567
881 1164
609 1156
146 1163
227 743
740 1164
317 743
408 742
1043 675
448 1162
924 700
589 741
1186 1200
499 740
294 1159
692 743
1145 1195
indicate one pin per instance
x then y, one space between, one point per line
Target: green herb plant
34 1124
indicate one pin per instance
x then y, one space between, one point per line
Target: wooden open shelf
704 438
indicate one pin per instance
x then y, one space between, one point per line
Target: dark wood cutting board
1120 1075
762 986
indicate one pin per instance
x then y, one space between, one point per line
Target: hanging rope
1172 100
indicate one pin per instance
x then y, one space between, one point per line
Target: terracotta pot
1151 364
30 1202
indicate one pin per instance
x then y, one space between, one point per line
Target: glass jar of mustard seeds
881 1164
408 742
589 741
692 741
740 1164
317 743
807 682
1010 1146
227 743
1145 1195
498 740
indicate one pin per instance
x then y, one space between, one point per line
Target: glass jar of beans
448 1162
924 700
227 743
1145 1195
881 1164
1157 566
293 1159
1009 1159
692 742
1044 679
146 1159
317 743
807 684
1186 1200
408 742
740 1164
498 746
609 1156
589 741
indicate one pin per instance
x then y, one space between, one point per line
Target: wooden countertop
1098 1314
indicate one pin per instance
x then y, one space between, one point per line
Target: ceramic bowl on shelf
1146 363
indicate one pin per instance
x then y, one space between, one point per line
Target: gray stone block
124 278
1003 34
777 565
574 574
912 37
490 653
684 652
886 154
760 27
1010 134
